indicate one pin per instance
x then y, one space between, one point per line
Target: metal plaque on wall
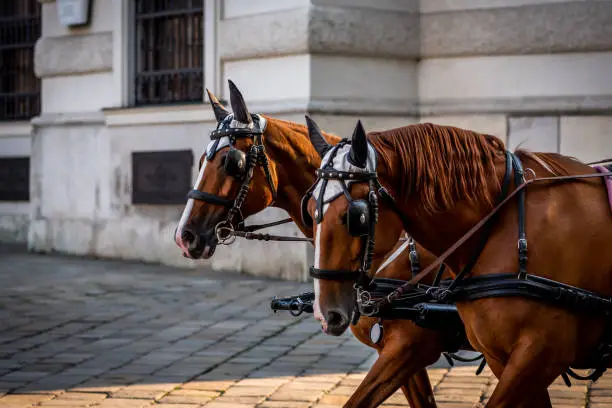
14 178
161 177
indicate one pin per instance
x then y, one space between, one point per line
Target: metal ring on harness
299 307
224 232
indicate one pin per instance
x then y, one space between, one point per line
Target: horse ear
241 113
219 110
358 155
316 137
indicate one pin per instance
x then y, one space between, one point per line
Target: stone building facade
534 72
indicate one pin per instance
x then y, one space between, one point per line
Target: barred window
169 66
19 87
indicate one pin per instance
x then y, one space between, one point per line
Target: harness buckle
522 244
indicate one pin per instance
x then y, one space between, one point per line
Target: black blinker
358 218
235 163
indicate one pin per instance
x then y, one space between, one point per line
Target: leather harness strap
428 270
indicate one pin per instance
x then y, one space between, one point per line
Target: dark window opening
19 88
169 66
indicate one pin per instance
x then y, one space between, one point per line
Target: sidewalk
77 332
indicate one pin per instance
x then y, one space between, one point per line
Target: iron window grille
169 47
19 87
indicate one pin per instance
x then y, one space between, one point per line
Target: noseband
238 166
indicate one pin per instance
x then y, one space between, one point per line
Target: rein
416 279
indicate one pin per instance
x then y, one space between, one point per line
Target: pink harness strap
607 180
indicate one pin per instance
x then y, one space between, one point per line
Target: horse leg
538 400
525 378
397 362
418 391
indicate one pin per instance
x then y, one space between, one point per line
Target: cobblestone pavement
76 333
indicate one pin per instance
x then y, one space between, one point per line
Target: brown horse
445 180
405 349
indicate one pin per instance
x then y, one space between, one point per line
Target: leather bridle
256 155
361 275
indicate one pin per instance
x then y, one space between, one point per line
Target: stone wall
534 72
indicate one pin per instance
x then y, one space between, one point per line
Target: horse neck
295 159
440 230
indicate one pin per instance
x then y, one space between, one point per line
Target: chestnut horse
405 349
444 181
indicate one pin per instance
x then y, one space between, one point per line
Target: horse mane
442 164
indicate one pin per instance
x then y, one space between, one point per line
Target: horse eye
343 218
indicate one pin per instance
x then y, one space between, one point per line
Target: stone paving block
284 404
99 385
461 385
55 383
28 376
246 391
23 399
123 403
457 397
342 390
251 400
183 396
334 399
81 396
207 385
154 384
326 405
68 357
221 404
177 405
65 403
264 382
75 399
295 395
137 393
308 385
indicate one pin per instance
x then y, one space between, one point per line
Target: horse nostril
335 319
187 236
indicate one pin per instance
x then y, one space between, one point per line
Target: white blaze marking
187 211
317 287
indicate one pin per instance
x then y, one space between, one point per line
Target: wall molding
73 118
578 26
524 105
158 115
15 129
73 54
552 27
321 30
